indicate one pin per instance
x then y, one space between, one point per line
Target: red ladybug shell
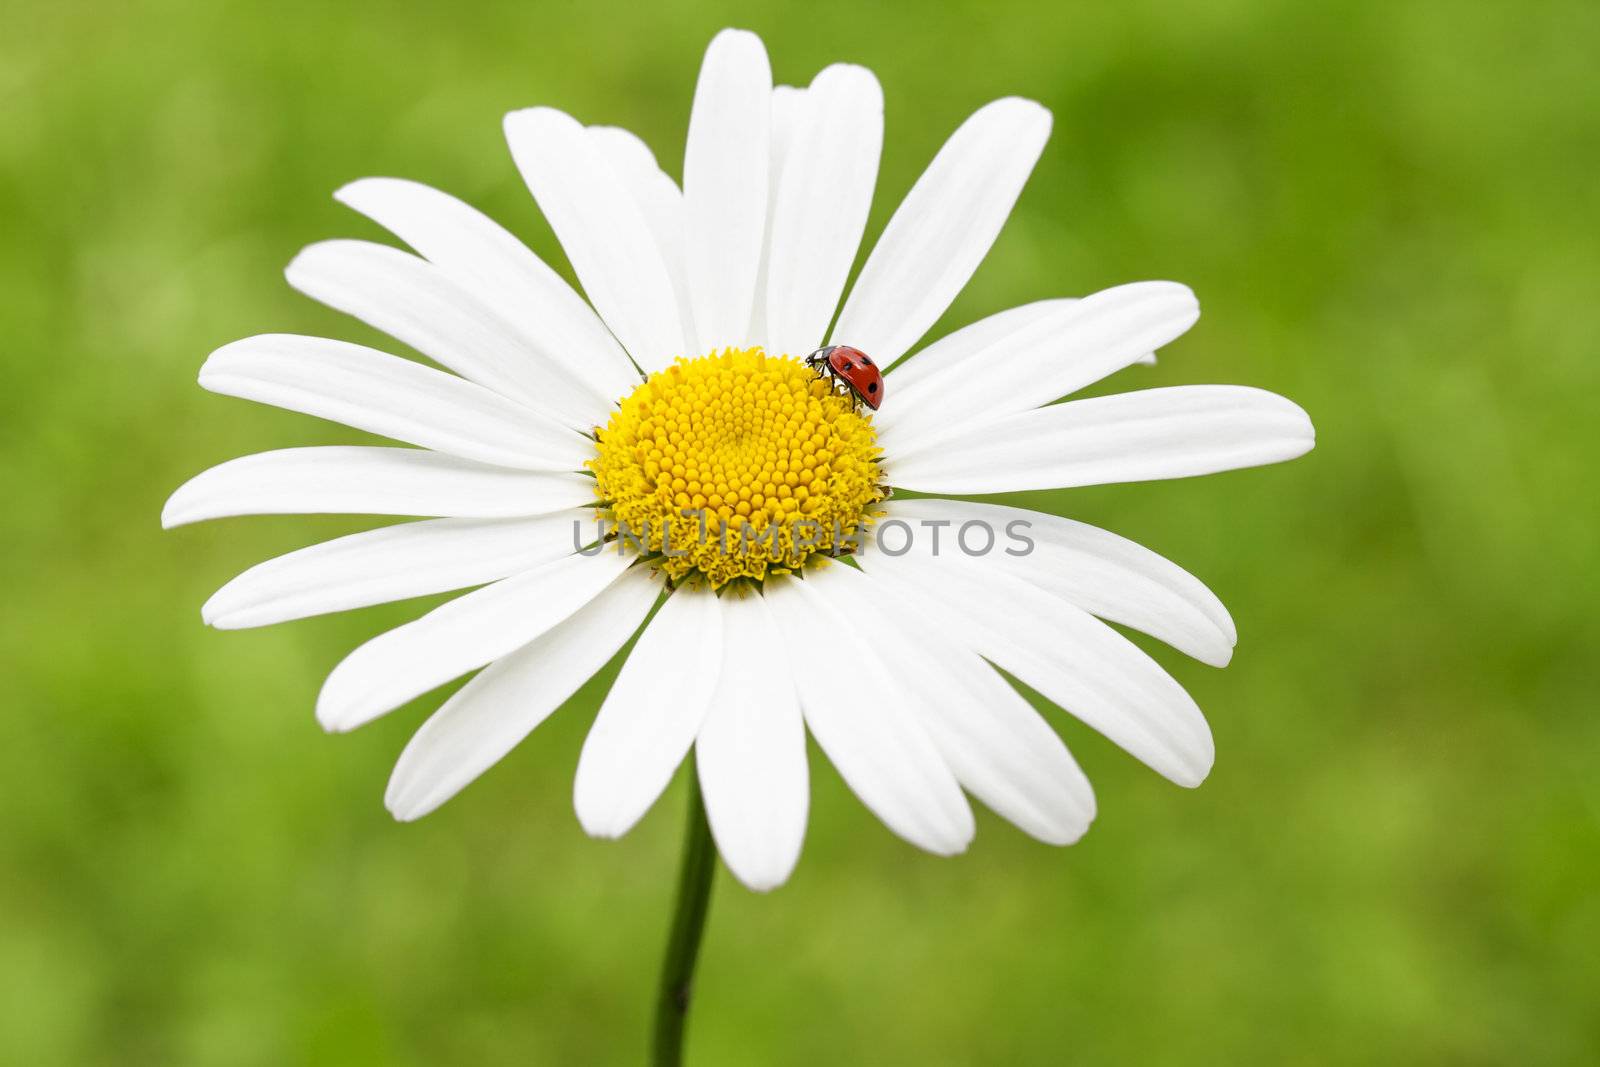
856 369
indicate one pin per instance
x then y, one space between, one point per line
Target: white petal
1095 569
1000 749
965 345
943 229
651 715
787 102
1081 342
414 301
517 284
603 231
1176 432
491 714
661 203
821 206
394 563
358 480
460 636
751 751
865 721
725 185
1069 656
394 397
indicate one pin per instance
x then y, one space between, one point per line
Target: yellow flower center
736 465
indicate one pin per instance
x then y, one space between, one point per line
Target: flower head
661 443
750 464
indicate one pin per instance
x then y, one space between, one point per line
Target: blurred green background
1390 214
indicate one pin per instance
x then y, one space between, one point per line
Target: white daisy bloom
677 389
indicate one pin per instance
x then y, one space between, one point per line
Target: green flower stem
688 924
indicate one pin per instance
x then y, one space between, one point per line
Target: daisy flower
655 457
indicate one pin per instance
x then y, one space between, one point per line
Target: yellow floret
736 465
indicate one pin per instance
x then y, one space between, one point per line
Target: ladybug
854 368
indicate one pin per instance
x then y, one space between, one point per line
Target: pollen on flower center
736 465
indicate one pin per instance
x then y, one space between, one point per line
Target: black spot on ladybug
866 361
872 387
